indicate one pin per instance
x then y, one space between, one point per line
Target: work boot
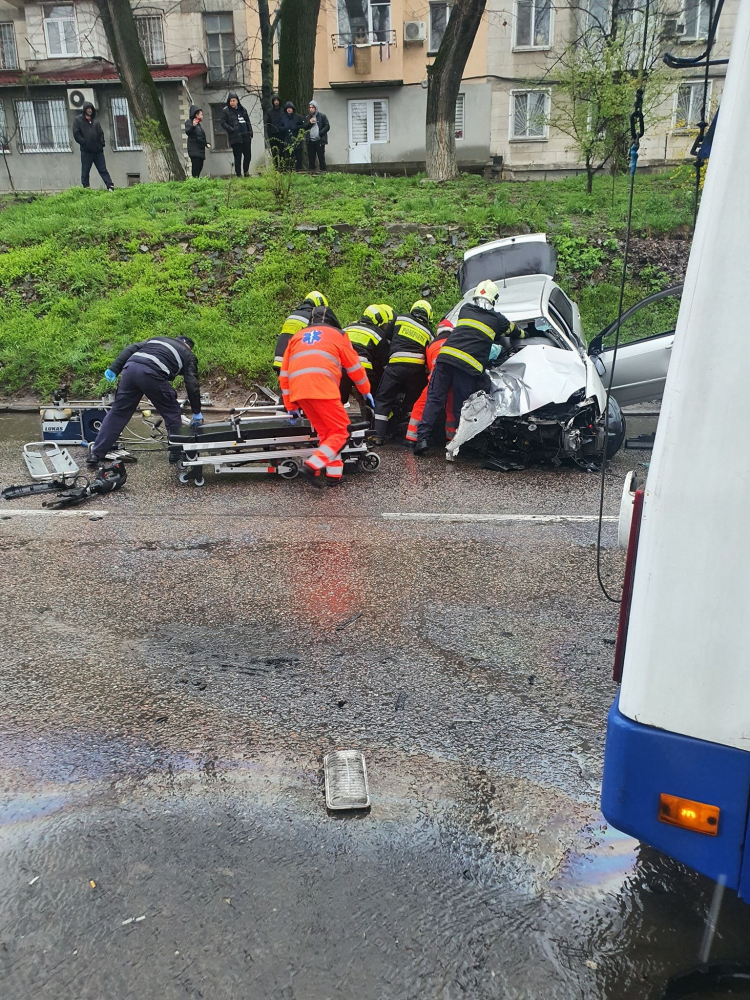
175 454
374 439
318 481
91 458
420 447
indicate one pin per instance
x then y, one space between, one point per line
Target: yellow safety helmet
317 298
388 311
422 305
487 290
378 315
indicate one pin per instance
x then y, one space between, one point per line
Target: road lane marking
93 515
532 518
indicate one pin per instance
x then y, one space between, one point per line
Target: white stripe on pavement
533 518
93 515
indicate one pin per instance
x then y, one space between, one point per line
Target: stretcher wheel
370 462
184 478
181 466
199 482
288 470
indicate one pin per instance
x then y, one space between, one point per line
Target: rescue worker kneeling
314 361
406 370
463 358
298 320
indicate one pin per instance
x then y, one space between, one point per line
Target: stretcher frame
281 452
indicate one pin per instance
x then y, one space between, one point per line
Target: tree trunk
153 131
443 84
589 176
299 25
266 53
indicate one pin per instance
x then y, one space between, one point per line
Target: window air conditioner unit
77 98
415 31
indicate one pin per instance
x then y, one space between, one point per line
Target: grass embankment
83 273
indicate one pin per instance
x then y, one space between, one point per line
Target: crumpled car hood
534 377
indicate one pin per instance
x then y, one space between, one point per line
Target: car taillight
627 586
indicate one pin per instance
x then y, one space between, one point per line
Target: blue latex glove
294 416
369 400
495 351
196 420
110 375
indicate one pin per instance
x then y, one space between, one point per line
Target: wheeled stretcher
260 442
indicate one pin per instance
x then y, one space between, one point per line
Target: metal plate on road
345 774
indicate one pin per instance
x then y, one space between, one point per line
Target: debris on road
349 621
345 775
35 879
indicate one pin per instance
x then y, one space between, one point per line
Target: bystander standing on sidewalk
275 131
89 135
236 123
318 127
293 135
197 143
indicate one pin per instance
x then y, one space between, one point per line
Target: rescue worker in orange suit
406 371
444 328
314 360
297 320
371 338
462 359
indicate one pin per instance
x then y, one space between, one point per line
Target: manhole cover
346 780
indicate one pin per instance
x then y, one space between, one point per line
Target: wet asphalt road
172 674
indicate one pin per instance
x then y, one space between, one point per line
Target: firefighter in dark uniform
406 371
148 369
297 321
463 358
371 338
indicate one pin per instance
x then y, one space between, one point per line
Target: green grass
84 273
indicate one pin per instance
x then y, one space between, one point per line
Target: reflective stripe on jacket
295 322
370 343
313 363
469 343
410 340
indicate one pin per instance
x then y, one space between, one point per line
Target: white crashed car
546 395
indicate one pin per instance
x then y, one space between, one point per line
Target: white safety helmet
486 294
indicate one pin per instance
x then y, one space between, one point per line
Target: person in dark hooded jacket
294 135
275 131
197 143
89 135
236 123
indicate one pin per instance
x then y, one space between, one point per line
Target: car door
642 361
508 258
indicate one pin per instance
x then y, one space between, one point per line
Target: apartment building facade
371 80
54 56
371 64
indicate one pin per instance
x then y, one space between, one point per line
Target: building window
368 122
695 15
528 118
533 24
151 37
43 126
689 105
8 54
439 15
363 21
4 136
220 45
60 30
460 116
221 139
124 135
598 16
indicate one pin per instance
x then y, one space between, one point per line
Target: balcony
364 38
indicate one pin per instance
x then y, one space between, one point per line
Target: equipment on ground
47 461
110 477
261 440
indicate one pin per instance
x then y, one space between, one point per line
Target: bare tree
153 131
443 84
299 23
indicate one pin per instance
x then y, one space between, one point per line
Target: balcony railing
343 41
